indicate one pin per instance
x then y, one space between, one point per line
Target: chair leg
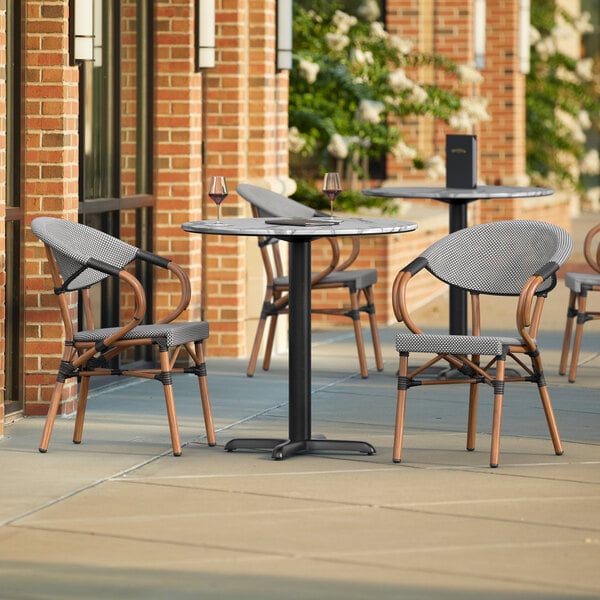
472 418
256 346
400 407
204 395
81 407
571 314
550 419
269 345
360 345
368 292
581 319
51 416
545 398
167 381
497 416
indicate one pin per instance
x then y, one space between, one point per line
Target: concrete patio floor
119 517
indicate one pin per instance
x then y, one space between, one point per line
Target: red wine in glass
217 190
331 188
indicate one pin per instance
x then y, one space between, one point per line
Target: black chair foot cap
471 449
560 453
213 444
176 453
494 466
397 460
43 450
79 442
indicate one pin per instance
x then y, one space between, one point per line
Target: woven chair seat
574 281
454 344
357 278
174 334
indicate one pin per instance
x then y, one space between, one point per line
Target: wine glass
331 188
217 190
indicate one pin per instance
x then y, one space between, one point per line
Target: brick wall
51 171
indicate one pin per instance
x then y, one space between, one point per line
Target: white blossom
401 44
584 119
377 30
565 75
476 108
571 124
546 47
336 41
369 10
435 167
469 74
362 57
590 164
337 146
370 111
402 151
584 68
308 70
399 81
582 23
592 198
534 36
418 95
315 16
295 141
471 112
460 121
343 21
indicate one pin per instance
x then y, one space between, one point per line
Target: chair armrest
399 293
529 310
186 292
353 254
335 258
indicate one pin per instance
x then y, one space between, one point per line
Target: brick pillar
51 180
178 164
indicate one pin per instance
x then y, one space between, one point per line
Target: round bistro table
299 233
457 199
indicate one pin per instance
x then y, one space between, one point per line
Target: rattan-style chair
506 258
358 282
580 284
81 257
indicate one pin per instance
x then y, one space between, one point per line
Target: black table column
458 298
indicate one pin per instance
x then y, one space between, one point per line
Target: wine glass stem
331 210
218 213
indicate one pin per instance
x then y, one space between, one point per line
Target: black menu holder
461 161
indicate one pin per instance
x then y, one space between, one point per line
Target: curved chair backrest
591 247
498 258
74 245
271 204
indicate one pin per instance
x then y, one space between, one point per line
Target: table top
260 227
481 192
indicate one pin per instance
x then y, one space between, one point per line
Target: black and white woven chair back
498 258
272 204
74 245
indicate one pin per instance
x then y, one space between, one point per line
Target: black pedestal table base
283 448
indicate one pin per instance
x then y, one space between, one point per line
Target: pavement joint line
81 489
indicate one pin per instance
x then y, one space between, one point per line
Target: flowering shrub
350 91
562 100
